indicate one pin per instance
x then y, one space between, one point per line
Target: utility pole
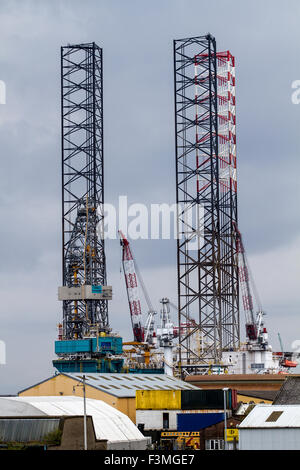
225 390
84 415
84 411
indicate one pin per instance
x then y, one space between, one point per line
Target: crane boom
244 278
132 289
134 280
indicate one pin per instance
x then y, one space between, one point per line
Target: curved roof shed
109 423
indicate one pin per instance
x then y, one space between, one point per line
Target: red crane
132 290
134 280
255 330
253 325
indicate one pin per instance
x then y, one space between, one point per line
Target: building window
165 420
214 444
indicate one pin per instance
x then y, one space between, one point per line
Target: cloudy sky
136 36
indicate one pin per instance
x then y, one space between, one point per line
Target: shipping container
205 399
197 421
158 399
166 419
157 419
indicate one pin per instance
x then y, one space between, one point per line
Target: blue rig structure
95 354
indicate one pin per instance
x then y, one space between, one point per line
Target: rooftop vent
274 416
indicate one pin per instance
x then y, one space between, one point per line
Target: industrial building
31 418
243 383
250 388
186 418
196 418
117 390
271 427
163 410
209 436
48 433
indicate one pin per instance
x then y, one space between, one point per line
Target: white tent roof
285 416
109 423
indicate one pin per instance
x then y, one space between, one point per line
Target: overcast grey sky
136 37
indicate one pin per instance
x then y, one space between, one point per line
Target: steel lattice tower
83 255
207 201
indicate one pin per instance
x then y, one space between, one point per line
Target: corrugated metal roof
109 423
125 385
273 416
237 378
26 429
289 394
260 394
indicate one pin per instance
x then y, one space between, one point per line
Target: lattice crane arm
133 280
253 324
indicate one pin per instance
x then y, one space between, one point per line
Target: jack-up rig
212 268
207 268
85 339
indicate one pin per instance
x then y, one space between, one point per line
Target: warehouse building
209 436
271 427
251 388
240 382
188 418
117 390
27 419
160 410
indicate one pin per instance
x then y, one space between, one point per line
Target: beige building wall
127 406
246 399
62 385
